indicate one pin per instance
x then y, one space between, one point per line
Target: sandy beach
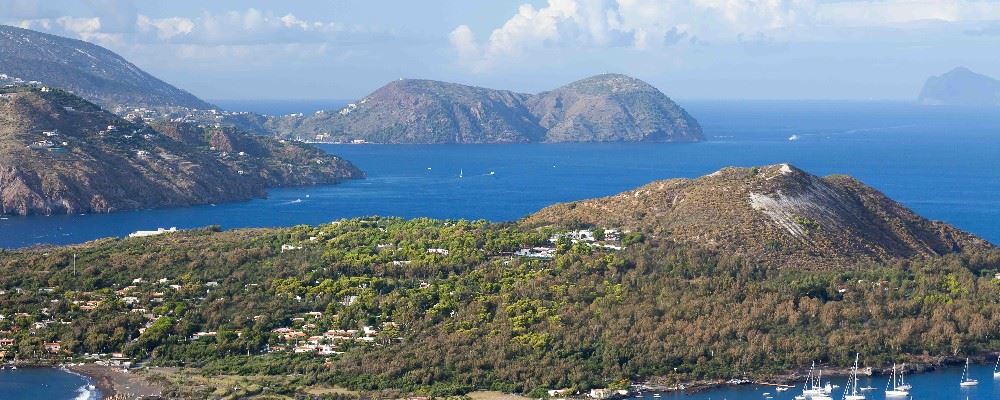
117 384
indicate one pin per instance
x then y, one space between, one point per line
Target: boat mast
853 385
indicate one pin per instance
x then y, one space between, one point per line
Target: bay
45 383
937 385
942 384
940 161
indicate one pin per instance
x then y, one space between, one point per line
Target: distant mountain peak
91 71
608 107
609 83
961 87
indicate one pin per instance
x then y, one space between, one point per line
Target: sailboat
893 389
996 369
813 388
851 391
966 379
809 387
460 173
902 379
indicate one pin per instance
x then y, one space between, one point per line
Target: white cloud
250 35
655 25
464 41
165 28
880 13
89 29
117 22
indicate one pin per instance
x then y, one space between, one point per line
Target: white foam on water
86 392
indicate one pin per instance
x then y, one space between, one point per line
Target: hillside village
33 333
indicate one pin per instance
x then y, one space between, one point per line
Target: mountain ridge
776 213
88 70
62 154
608 107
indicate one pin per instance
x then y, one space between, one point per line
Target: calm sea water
45 383
32 384
942 162
937 385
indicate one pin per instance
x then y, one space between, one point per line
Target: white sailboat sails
814 389
902 379
996 369
896 388
966 379
851 392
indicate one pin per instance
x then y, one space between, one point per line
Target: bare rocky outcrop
775 213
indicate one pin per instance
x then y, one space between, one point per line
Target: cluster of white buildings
158 231
609 241
323 343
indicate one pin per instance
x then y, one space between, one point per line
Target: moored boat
966 379
894 389
851 391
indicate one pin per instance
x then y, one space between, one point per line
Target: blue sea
45 383
937 385
42 383
942 162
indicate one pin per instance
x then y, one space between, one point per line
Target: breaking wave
86 392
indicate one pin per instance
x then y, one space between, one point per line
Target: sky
689 49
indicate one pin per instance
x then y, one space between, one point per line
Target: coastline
112 383
793 377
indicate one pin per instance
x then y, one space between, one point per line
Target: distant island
602 108
747 272
961 87
61 154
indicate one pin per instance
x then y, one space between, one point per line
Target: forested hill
775 213
91 71
602 108
62 154
446 307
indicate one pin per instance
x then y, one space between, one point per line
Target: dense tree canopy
478 316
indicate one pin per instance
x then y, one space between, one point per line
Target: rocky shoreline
117 384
